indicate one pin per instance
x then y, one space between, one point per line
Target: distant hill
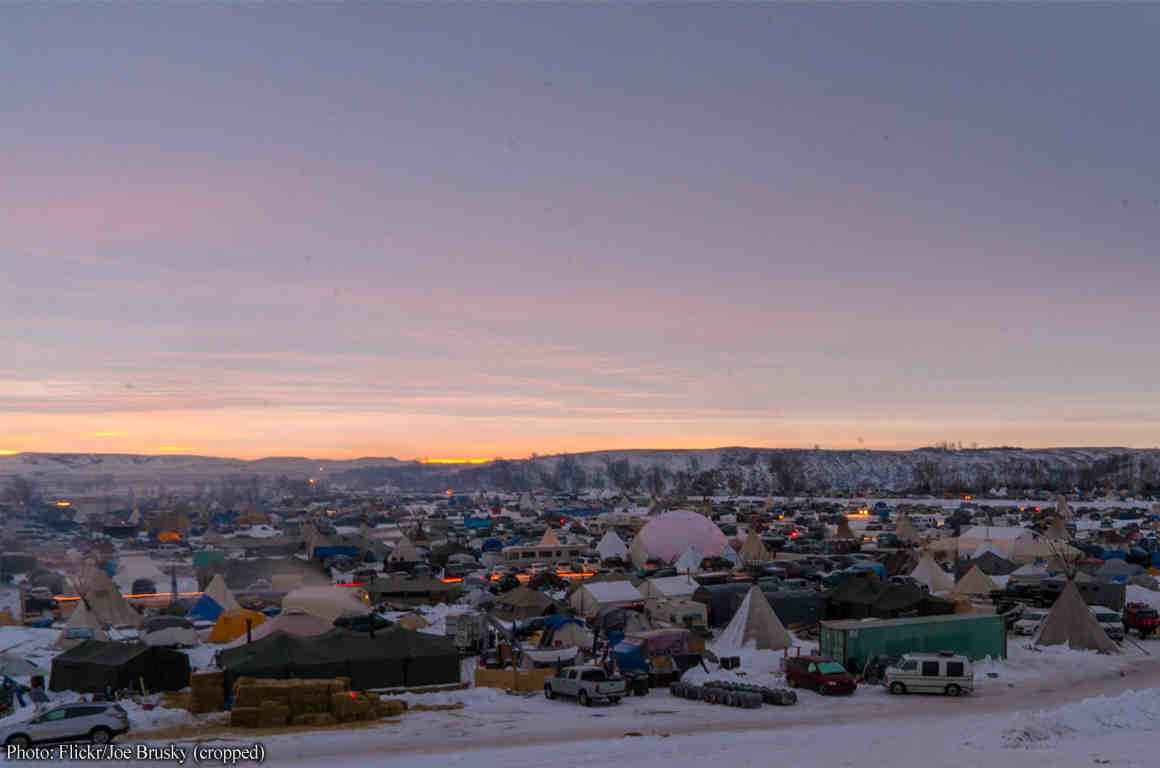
752 471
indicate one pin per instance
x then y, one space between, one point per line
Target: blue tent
206 609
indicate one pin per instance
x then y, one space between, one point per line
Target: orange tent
232 624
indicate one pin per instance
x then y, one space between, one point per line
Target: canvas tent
523 603
611 546
94 666
404 552
591 598
1070 622
233 624
297 623
754 626
935 578
844 531
327 603
549 539
753 551
168 631
388 658
668 587
975 584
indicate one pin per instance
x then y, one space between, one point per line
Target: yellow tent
232 624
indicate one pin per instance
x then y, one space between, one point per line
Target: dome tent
666 537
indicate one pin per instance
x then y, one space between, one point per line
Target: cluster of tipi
1069 622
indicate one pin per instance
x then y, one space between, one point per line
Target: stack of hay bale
209 692
271 703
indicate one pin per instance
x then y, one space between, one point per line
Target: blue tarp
477 523
321 553
630 656
492 545
206 609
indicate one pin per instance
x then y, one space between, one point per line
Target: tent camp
327 603
388 658
754 626
591 598
975 584
611 546
94 666
753 551
233 624
297 623
104 600
1070 622
523 603
935 578
168 631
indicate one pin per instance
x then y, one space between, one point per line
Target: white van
943 672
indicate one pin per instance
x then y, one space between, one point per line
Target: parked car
98 722
1141 617
1029 621
587 684
820 674
1110 621
945 672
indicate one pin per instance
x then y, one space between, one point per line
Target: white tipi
690 561
935 578
754 626
611 546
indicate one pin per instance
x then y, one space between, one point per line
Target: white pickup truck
587 684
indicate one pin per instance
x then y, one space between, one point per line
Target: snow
1132 711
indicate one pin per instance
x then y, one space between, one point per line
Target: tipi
935 578
844 531
550 539
974 583
753 551
104 600
690 561
611 546
754 626
80 618
1070 622
905 530
1056 531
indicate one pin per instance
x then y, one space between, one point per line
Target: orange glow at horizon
456 461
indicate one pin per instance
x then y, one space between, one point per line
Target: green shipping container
207 557
852 643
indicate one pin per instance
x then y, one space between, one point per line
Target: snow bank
1132 710
141 719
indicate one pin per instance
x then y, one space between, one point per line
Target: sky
432 230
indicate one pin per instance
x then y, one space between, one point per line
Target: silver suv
99 722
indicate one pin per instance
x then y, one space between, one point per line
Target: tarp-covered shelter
523 603
168 631
667 587
94 666
217 591
388 658
297 623
862 598
327 603
233 624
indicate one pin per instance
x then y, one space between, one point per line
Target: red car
823 675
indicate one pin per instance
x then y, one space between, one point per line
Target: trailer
854 642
